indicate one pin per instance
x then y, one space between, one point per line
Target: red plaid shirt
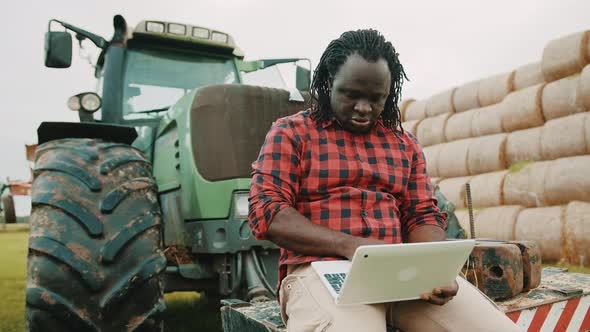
372 186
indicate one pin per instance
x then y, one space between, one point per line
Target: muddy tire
8 209
95 261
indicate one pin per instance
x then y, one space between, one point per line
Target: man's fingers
446 291
438 300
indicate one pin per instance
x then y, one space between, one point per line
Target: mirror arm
96 39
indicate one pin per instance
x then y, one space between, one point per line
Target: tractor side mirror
302 78
58 49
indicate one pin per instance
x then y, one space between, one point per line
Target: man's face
359 91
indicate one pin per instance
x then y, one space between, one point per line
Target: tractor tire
8 207
95 261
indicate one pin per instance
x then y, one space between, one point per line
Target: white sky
441 43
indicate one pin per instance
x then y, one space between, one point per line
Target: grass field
185 310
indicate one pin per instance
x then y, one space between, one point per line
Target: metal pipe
261 275
470 209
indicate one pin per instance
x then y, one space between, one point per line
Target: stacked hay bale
521 139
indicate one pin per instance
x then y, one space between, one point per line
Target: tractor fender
50 131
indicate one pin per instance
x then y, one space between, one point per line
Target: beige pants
306 305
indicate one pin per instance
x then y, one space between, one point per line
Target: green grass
186 310
13 253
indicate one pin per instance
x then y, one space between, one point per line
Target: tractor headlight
90 102
241 205
177 29
219 37
74 103
154 27
200 33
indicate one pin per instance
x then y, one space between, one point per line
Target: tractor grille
228 126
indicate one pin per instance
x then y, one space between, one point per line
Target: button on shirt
373 185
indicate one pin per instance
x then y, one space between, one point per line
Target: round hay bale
411 126
577 233
486 189
544 226
452 158
526 186
565 56
492 90
583 90
487 154
403 106
522 109
440 103
431 153
459 126
497 222
487 120
524 145
454 190
463 218
465 97
528 75
431 131
559 98
563 137
568 179
415 110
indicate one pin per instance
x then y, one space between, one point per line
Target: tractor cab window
155 80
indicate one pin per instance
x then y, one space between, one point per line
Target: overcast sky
441 43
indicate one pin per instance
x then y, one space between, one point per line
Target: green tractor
150 194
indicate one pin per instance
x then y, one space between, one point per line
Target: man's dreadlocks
372 46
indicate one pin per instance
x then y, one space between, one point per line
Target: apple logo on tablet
407 274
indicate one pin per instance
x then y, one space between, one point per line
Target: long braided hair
372 46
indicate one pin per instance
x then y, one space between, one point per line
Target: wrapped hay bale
497 222
459 126
431 131
487 120
568 179
528 75
583 90
486 189
524 145
411 126
487 154
431 153
415 110
492 90
403 106
565 56
463 218
577 233
452 158
440 103
522 109
454 190
465 97
559 98
526 186
564 137
544 226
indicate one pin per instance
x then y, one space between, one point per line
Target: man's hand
441 295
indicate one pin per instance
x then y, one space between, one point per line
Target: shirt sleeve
275 177
418 206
